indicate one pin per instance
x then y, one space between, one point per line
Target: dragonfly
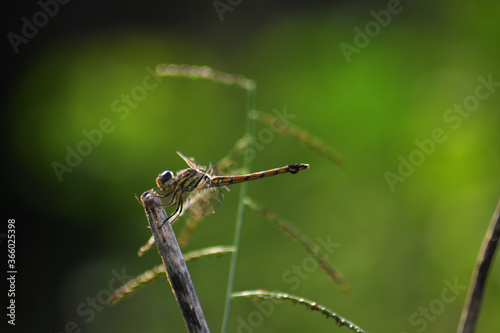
203 186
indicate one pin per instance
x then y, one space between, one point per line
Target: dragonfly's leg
177 211
172 200
163 195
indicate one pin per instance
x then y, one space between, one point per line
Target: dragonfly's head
165 181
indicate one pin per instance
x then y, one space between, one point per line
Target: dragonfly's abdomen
228 180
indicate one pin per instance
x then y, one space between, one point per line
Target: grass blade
158 271
313 306
291 231
240 212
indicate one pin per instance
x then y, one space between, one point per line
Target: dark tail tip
294 168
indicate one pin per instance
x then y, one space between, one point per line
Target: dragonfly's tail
294 168
228 180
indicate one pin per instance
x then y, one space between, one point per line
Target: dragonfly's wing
192 163
204 201
212 170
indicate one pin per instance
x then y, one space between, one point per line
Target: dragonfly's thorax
190 179
185 181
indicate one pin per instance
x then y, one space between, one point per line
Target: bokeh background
399 247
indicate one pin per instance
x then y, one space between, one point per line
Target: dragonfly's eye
165 177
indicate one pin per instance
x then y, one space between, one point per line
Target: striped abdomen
228 180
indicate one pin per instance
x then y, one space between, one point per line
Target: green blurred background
398 247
